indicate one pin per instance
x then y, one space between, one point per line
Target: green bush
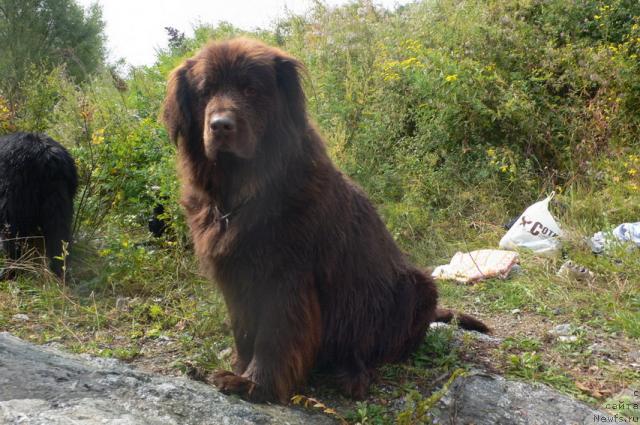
448 113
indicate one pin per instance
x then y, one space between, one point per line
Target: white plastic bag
601 241
535 229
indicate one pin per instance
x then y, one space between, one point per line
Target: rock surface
486 399
43 386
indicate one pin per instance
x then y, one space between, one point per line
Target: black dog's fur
38 181
157 224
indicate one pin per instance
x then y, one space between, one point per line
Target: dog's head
228 96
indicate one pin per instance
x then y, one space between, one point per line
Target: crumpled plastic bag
469 267
535 229
626 232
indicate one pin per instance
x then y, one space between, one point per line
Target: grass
146 304
99 316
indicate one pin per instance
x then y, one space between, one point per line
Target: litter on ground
535 229
575 271
626 232
469 267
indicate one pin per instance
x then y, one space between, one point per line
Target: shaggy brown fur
310 275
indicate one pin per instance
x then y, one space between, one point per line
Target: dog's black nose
223 124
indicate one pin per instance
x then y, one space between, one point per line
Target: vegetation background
454 115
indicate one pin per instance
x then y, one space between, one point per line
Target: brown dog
309 273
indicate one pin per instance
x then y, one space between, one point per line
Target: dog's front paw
230 383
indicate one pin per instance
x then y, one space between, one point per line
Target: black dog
157 224
38 180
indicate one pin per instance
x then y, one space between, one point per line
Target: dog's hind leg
56 228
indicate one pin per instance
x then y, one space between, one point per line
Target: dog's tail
464 320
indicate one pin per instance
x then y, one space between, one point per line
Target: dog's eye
249 91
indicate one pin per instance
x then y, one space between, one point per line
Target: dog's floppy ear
288 72
177 115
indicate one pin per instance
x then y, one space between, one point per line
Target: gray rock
460 333
487 339
486 399
20 317
44 386
562 330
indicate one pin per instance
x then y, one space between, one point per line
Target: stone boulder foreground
45 386
487 399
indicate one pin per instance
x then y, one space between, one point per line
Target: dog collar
224 219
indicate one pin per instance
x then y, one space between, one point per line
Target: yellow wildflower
451 78
97 138
407 63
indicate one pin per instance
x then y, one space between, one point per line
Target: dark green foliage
437 351
38 35
447 115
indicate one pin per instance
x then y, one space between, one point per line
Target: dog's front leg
287 341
